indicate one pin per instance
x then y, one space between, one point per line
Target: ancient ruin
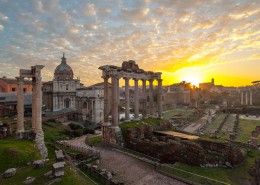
35 74
129 70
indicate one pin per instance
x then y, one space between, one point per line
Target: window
24 89
67 87
13 89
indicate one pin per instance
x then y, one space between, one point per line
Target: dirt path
133 171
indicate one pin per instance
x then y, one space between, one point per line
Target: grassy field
213 125
230 176
16 154
124 126
245 129
183 113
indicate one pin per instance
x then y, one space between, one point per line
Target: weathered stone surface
58 169
59 155
39 139
9 173
170 149
29 180
38 163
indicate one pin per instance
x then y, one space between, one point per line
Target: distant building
11 85
207 85
60 93
90 103
177 94
8 102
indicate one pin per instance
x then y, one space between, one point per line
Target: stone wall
170 150
112 135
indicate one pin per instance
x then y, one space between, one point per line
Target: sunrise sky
192 40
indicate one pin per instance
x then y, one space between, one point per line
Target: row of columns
36 101
115 99
245 95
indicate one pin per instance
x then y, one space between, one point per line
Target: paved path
133 171
128 169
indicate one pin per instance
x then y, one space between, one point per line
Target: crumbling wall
171 150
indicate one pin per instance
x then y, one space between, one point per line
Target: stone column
246 98
114 101
242 98
36 70
33 104
251 98
159 98
151 97
20 106
136 100
144 99
106 105
127 102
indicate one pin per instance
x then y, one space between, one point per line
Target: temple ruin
129 70
35 74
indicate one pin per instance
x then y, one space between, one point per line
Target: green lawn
14 153
230 176
71 176
245 129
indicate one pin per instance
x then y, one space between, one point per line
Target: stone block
9 173
38 163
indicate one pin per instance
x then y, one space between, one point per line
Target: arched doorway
67 103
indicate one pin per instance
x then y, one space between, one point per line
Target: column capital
143 80
159 80
136 79
126 78
151 80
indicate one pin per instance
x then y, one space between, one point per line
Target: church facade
60 94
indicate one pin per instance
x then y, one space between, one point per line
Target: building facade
90 103
60 93
8 85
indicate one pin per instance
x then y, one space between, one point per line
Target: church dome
63 71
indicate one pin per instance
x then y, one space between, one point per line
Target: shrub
88 131
75 126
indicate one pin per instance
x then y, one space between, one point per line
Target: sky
191 40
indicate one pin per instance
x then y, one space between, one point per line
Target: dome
63 71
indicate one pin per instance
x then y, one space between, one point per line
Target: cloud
159 35
1 27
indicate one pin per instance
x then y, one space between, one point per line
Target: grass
16 153
71 176
126 125
231 176
94 140
183 113
213 125
245 129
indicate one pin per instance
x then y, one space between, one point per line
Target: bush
75 126
78 132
